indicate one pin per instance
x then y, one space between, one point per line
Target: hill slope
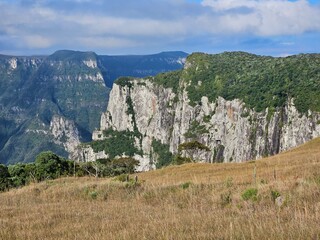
193 201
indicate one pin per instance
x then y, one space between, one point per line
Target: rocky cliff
54 102
163 117
48 103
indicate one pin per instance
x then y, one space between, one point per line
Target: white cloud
81 24
36 41
106 42
264 17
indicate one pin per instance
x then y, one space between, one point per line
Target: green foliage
130 111
250 194
165 157
185 185
178 160
259 81
229 182
5 181
124 81
19 173
316 178
116 144
226 198
193 145
196 129
122 177
218 154
190 148
207 118
275 194
50 166
91 192
124 165
168 80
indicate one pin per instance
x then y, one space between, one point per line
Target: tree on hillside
5 181
18 173
124 165
190 149
50 166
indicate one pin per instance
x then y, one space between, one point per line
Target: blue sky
267 27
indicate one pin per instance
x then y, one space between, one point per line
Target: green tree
19 175
191 148
124 165
50 166
5 181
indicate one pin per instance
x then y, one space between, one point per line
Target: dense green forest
259 81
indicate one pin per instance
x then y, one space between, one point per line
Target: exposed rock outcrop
233 132
65 133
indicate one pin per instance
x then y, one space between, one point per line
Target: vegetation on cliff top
259 81
116 143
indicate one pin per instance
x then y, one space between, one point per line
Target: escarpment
240 106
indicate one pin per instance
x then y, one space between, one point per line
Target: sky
117 27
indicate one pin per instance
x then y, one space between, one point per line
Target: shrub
5 181
49 166
186 185
117 143
225 198
124 165
93 194
274 195
178 160
250 194
229 182
19 175
165 157
122 178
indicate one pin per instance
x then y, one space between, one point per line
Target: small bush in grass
225 198
93 194
316 178
274 195
178 160
122 178
250 194
262 181
185 185
229 182
90 191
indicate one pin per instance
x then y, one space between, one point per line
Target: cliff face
232 131
228 128
48 103
54 102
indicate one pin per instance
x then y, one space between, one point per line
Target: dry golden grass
193 201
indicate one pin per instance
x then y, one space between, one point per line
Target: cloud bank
140 26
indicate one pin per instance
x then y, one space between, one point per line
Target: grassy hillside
193 201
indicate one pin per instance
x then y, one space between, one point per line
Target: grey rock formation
233 132
65 133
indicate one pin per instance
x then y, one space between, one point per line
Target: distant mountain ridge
54 102
139 65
